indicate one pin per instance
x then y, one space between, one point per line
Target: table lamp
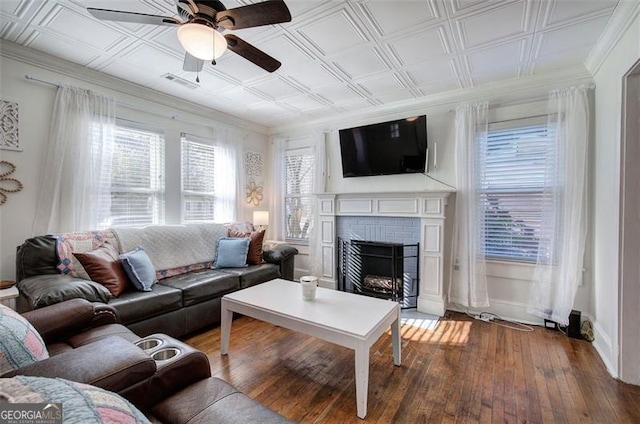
260 220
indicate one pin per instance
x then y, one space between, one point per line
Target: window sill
510 270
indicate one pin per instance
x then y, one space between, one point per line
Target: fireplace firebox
379 269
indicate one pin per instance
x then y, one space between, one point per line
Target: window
299 175
137 178
512 195
198 180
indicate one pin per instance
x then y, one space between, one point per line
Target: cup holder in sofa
148 344
164 354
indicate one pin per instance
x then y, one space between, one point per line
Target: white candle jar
309 284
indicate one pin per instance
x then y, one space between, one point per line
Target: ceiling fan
201 26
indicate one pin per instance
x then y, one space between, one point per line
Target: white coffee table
346 319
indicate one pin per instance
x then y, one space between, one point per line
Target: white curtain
563 230
276 192
75 193
468 285
319 186
228 170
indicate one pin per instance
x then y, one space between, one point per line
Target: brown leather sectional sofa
177 305
86 344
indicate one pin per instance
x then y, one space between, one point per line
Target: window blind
137 177
299 183
512 197
198 180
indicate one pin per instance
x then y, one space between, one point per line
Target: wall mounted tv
395 147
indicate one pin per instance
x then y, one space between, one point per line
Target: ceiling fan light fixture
201 41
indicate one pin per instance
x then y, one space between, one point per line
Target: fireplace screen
379 269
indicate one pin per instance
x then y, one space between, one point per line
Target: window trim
517 123
203 141
159 194
296 151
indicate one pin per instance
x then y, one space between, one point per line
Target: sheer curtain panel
563 230
75 186
229 189
319 186
468 285
276 198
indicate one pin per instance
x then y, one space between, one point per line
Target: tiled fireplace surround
407 217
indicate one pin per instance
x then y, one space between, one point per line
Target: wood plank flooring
461 371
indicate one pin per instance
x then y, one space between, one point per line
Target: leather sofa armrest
112 363
279 253
47 289
62 320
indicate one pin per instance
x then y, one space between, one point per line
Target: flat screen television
395 147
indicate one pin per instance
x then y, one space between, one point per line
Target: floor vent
181 81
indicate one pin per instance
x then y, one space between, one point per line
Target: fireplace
379 269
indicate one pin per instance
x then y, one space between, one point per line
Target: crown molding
129 93
515 90
623 15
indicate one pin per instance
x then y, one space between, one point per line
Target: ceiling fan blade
253 15
192 64
138 18
252 54
188 6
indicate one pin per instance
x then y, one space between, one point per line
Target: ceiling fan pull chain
197 76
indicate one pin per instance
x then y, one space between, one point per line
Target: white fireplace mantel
428 206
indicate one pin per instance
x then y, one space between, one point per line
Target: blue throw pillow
139 269
231 252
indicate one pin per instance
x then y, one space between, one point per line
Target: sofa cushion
20 343
81 403
255 274
104 266
214 401
139 269
134 305
47 289
254 256
199 286
231 252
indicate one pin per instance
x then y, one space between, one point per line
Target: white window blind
137 177
198 180
512 196
299 175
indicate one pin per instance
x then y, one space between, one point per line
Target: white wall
605 222
36 101
508 283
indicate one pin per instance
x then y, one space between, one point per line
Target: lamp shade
261 218
201 41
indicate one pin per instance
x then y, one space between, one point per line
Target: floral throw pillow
80 403
20 343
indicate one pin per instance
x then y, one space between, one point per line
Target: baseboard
505 309
604 347
431 305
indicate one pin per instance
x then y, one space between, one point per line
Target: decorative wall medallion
9 139
253 165
253 173
7 184
254 193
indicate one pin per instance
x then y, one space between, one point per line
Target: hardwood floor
460 370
